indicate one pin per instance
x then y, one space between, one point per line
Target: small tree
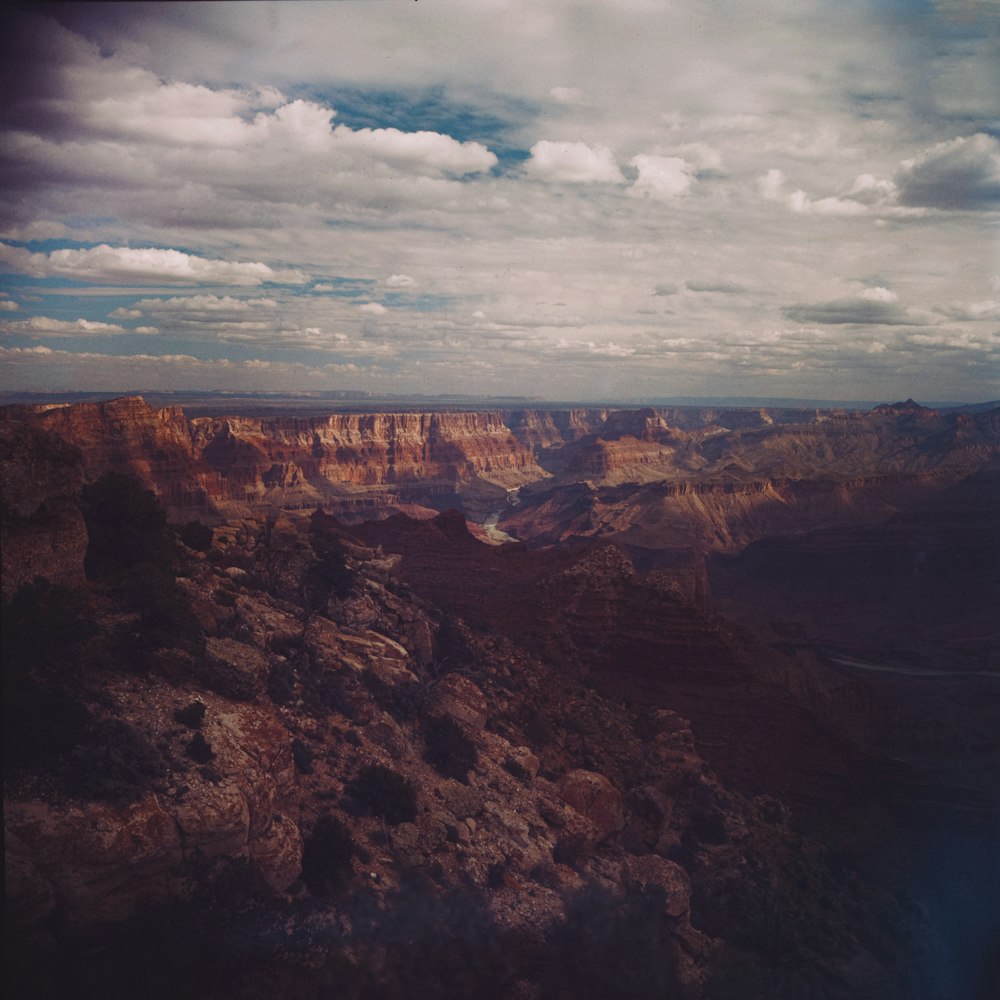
383 792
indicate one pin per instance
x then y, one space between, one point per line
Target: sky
574 200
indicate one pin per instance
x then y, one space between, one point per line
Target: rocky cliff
360 465
299 752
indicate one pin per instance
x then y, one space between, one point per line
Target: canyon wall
369 465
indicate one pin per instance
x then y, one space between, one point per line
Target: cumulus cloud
400 281
197 304
662 177
44 326
771 187
573 162
961 174
372 308
7 305
107 264
430 151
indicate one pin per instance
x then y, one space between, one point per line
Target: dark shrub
281 683
302 754
331 691
125 526
330 572
386 793
192 715
570 849
517 770
196 536
447 748
199 749
115 763
326 857
402 701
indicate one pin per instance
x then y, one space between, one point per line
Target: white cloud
427 151
879 294
573 162
109 264
662 177
44 326
372 308
567 95
400 281
6 305
196 304
771 187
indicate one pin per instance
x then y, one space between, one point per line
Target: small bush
447 748
517 770
281 683
192 715
570 849
199 749
384 792
402 701
126 526
326 857
302 754
196 536
116 763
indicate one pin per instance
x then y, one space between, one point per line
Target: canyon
730 673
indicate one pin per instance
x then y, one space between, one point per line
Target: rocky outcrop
99 860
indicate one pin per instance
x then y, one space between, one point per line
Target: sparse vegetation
385 793
199 749
196 535
448 749
303 756
126 526
192 715
114 763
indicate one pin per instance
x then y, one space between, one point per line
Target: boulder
594 797
456 696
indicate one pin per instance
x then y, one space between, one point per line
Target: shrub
192 715
196 536
115 763
402 701
199 749
281 683
384 792
302 754
125 526
447 748
330 572
326 857
517 770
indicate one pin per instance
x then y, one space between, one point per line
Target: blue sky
575 200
